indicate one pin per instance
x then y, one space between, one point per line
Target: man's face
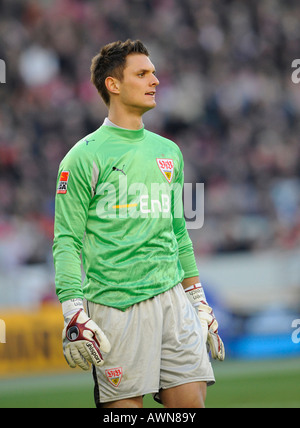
138 87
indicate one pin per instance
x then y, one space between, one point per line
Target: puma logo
114 168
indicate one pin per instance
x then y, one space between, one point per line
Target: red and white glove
83 340
209 324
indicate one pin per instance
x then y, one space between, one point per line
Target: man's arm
71 211
185 245
83 340
187 282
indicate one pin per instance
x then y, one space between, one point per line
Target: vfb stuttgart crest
114 375
167 168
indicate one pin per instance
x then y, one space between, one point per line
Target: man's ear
112 85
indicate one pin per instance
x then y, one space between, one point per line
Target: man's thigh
127 403
184 358
132 368
188 395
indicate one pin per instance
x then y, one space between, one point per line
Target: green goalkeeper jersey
119 207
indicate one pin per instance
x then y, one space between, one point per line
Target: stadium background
227 98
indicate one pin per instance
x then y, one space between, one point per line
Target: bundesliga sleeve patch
63 182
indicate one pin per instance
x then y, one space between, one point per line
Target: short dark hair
111 61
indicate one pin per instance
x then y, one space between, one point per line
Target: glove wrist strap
196 294
70 307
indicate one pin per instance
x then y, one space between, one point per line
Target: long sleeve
185 245
71 211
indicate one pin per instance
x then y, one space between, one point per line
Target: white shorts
154 344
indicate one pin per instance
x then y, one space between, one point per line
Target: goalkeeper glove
82 338
208 321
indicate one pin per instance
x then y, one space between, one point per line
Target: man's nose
155 81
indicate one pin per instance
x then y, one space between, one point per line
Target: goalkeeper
146 325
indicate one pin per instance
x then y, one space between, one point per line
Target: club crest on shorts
114 376
167 168
63 182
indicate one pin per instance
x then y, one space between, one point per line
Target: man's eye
141 74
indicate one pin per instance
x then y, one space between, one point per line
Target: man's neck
123 120
108 122
129 123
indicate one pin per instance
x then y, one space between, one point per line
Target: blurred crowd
226 97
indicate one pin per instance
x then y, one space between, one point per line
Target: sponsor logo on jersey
114 376
167 168
63 182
